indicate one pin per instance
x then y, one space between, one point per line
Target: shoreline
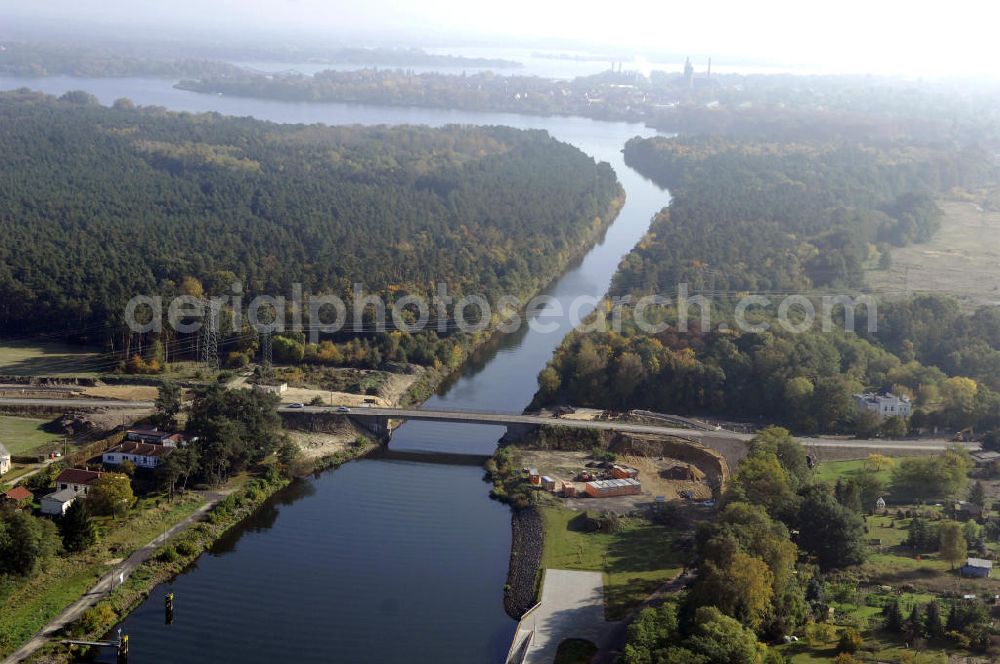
203 533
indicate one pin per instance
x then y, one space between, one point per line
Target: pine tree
76 528
914 626
892 616
954 622
977 494
933 627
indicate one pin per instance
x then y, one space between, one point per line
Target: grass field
831 471
24 435
878 648
961 259
34 358
635 561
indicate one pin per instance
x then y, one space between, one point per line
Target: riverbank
157 562
160 560
527 542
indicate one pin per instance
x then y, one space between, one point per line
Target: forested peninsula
101 204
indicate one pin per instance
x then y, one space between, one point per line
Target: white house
57 503
4 459
76 479
143 455
884 405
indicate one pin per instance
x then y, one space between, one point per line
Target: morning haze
510 333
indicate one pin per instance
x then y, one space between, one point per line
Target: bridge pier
378 425
518 432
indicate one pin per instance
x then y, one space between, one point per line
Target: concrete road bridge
377 420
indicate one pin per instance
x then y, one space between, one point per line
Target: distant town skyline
890 37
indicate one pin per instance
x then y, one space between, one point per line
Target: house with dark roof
143 455
76 479
153 435
964 510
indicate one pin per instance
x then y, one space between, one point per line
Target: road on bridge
507 419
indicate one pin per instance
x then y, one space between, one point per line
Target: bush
98 617
168 554
850 641
187 548
237 360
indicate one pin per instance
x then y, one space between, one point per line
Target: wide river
380 561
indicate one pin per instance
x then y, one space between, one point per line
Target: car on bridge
343 409
296 405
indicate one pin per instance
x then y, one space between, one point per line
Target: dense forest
777 219
100 204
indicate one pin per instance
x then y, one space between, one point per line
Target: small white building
143 455
56 504
4 460
884 405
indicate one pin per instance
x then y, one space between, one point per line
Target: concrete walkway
104 585
572 607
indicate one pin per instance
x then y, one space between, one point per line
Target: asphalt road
506 419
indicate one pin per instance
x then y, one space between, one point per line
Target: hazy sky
881 36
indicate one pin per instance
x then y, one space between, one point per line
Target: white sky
881 36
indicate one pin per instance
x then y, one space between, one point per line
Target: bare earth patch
122 392
566 466
316 445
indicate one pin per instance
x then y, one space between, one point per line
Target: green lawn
635 561
831 471
878 647
24 435
36 358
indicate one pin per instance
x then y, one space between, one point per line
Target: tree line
779 219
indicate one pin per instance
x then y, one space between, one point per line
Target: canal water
381 561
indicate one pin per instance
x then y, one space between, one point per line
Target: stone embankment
525 561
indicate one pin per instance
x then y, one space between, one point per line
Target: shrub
187 548
850 641
168 554
98 617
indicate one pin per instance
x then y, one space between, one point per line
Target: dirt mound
92 422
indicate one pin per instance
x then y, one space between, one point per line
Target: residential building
965 510
56 504
884 405
19 496
978 568
77 480
152 435
4 460
143 455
